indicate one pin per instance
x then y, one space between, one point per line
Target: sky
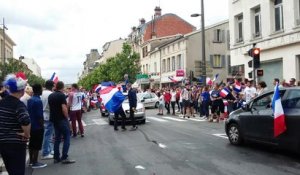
58 34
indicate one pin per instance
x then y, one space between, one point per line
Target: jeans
14 157
132 117
173 106
48 136
121 112
167 106
76 116
62 129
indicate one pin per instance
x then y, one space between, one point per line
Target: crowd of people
37 118
211 102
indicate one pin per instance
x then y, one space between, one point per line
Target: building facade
90 62
274 27
6 47
110 49
32 65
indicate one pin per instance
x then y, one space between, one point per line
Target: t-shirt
76 101
35 110
46 109
215 94
13 115
249 93
173 96
205 96
56 100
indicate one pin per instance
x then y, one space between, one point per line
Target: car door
291 106
147 99
258 122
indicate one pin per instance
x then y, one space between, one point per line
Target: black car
254 122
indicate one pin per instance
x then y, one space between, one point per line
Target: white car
149 99
139 115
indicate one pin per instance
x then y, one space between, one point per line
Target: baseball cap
14 83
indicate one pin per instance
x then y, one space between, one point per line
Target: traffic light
260 72
250 63
256 57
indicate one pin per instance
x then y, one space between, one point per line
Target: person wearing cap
14 126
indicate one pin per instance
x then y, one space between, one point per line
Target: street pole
3 48
203 44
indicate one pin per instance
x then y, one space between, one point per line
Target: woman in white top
161 103
173 100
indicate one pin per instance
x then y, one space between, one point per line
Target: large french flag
112 97
97 88
54 77
224 92
279 117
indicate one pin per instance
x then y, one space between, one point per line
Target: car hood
125 106
236 113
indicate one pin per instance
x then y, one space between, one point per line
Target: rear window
292 99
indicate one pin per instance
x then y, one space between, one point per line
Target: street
166 145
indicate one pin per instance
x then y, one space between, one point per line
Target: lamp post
4 38
203 41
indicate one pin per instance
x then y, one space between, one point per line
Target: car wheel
110 122
234 134
156 104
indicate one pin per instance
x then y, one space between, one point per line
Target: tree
126 62
14 66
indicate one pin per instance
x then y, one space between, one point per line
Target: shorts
217 107
161 106
186 103
36 139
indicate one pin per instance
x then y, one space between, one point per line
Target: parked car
149 99
254 122
140 115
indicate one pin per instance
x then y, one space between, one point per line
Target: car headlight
140 110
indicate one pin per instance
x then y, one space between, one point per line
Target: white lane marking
224 136
100 121
147 121
157 119
175 119
197 120
140 167
162 145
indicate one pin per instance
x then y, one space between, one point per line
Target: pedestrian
14 126
217 108
292 82
27 95
132 105
121 112
48 125
3 92
249 92
35 110
178 98
167 99
75 106
205 102
261 88
161 103
59 117
185 100
173 100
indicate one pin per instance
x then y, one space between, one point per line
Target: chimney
142 21
157 11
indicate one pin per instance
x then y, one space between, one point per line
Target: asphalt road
167 145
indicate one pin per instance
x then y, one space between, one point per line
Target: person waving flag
112 97
54 77
279 117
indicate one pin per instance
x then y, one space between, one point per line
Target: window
147 68
143 68
163 68
217 61
218 36
297 12
278 15
229 64
173 63
179 62
292 100
168 65
155 67
263 102
257 23
240 37
145 51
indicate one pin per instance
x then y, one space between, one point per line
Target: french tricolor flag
237 87
112 97
224 92
279 117
97 88
172 79
54 77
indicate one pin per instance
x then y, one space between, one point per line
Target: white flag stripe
157 119
278 109
175 119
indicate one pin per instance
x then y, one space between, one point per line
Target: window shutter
229 64
223 36
211 59
223 65
215 35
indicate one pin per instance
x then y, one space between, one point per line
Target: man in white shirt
48 125
249 92
75 105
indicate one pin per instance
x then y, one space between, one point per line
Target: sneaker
38 165
47 157
56 161
82 135
67 161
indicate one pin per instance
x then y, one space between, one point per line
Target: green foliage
126 62
14 66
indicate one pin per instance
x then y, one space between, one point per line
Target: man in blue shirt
35 109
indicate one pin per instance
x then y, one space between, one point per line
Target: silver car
139 115
149 99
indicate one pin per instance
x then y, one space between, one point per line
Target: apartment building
6 47
32 65
110 49
274 27
90 62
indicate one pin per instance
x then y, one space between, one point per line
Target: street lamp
203 42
